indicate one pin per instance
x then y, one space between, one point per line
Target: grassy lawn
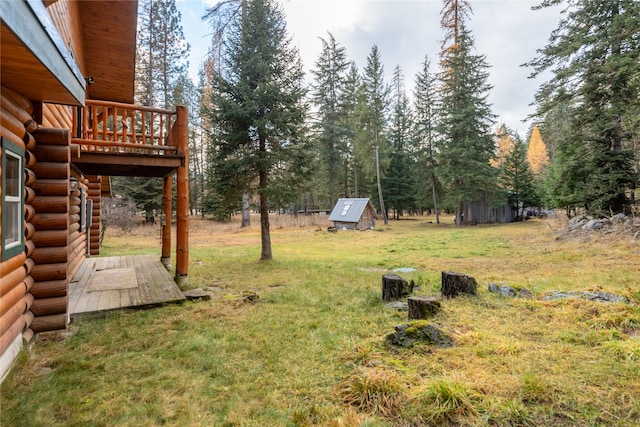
311 351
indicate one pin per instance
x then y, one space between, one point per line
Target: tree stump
395 287
456 283
423 307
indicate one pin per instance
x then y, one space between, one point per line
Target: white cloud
508 32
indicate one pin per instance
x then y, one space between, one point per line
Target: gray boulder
578 221
509 291
588 295
594 224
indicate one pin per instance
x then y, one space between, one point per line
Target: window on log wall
12 199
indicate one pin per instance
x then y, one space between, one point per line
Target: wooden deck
119 282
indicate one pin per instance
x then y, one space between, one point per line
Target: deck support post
182 205
165 259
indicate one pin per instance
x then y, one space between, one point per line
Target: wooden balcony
116 139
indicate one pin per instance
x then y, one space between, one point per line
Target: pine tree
260 112
187 93
162 53
330 74
373 116
160 64
516 177
398 183
220 17
594 56
537 155
350 102
466 146
425 101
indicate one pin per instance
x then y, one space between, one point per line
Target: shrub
445 401
373 390
623 350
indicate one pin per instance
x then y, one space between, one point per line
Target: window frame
11 249
83 209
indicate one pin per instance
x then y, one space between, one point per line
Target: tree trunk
264 219
459 214
355 180
384 212
423 307
435 197
456 283
395 287
246 212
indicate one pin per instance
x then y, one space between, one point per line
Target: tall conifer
161 63
516 177
259 109
330 73
372 144
425 101
594 56
398 183
466 144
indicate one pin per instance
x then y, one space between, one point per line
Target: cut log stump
395 287
456 283
423 307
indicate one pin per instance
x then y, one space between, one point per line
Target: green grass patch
311 350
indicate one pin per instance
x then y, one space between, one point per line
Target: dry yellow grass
312 350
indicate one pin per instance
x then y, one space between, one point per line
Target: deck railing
113 127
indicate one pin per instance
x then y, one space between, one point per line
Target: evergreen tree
425 100
162 53
160 64
259 109
350 102
594 56
398 183
373 121
220 17
187 93
330 74
516 177
466 145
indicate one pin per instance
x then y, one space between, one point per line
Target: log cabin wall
57 116
94 193
16 280
55 223
77 223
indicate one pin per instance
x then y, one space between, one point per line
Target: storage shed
354 214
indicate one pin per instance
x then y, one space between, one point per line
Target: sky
507 32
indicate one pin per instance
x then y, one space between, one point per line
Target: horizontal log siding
77 239
52 221
94 193
16 123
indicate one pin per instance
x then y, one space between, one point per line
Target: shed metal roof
349 209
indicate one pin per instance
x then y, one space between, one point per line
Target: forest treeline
262 137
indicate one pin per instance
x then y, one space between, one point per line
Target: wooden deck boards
154 285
